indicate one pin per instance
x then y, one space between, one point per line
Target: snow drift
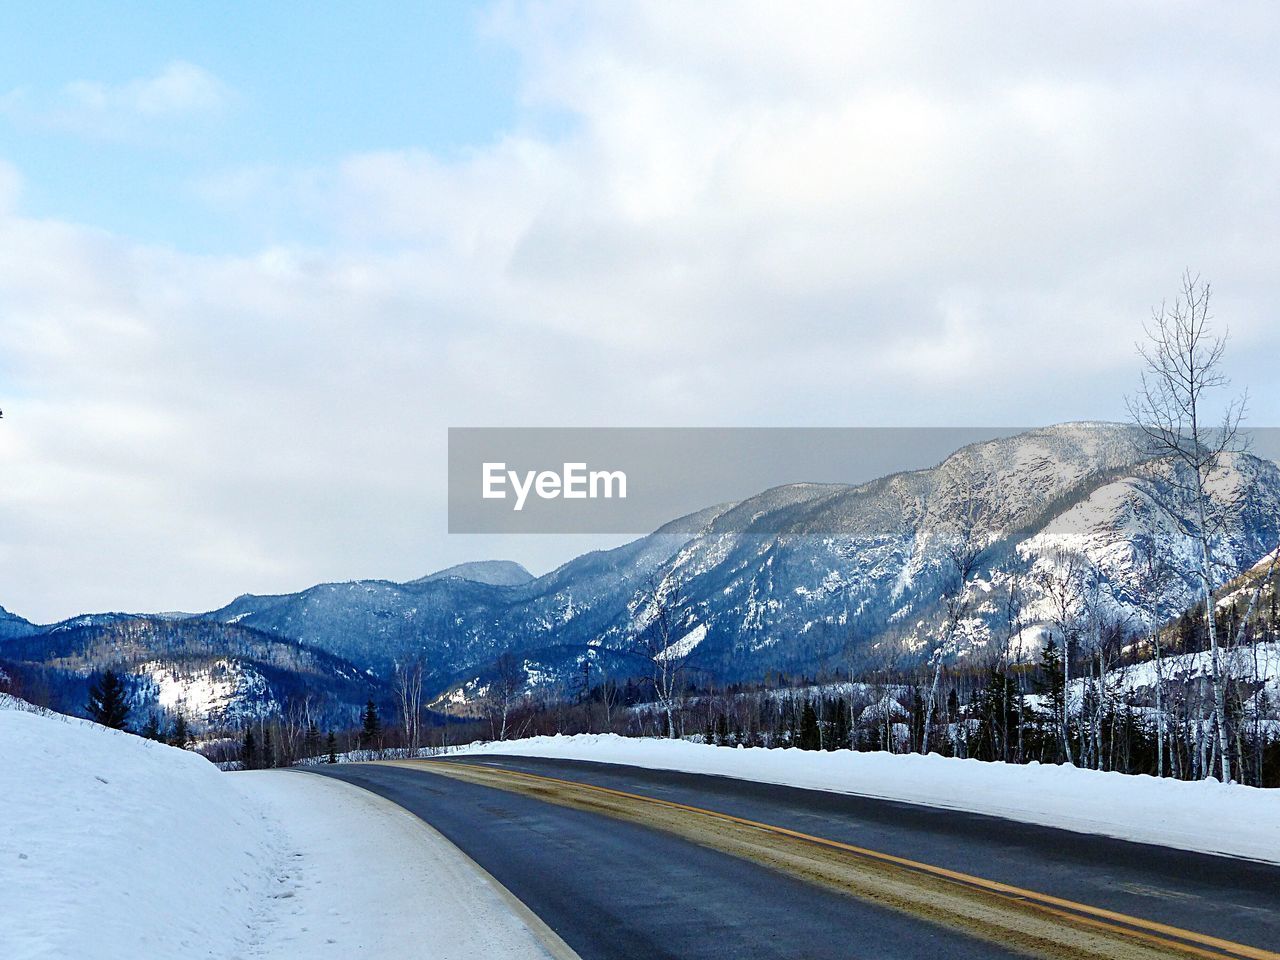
1206 815
119 847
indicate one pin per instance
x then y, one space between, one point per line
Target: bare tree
1060 578
1250 612
1183 360
1154 577
962 534
408 686
665 631
504 693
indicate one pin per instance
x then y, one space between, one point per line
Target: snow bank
1206 815
364 877
118 848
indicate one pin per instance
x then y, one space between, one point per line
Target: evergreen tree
249 751
371 726
840 735
332 745
997 706
722 731
268 751
1050 684
181 735
311 745
151 729
107 704
810 735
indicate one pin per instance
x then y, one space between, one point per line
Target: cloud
863 215
10 186
180 91
180 88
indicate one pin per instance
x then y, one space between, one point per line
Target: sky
255 260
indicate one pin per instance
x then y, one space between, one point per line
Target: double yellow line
1159 935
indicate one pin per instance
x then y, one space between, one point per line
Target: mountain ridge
799 578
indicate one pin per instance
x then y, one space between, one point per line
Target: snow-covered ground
117 848
1207 816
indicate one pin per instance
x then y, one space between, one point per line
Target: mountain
11 625
216 675
497 573
460 625
801 578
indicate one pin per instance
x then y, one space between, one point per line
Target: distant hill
216 675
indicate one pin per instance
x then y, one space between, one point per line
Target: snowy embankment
1206 816
118 848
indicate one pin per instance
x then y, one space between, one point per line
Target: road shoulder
359 876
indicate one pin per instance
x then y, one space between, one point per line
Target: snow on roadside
365 877
1206 815
118 848
115 847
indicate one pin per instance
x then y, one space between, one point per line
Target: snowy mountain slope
842 576
462 625
1121 529
11 625
215 675
119 848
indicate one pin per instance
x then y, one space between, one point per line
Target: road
626 862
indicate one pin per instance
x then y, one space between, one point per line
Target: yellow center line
1109 920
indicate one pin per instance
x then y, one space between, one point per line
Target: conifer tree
249 751
181 735
371 726
107 703
311 745
722 731
268 751
840 736
332 745
810 735
1052 687
151 729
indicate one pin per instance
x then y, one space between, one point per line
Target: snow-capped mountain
802 577
460 625
807 577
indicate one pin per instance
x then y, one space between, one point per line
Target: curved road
612 888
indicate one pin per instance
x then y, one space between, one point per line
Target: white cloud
177 89
10 186
101 110
861 215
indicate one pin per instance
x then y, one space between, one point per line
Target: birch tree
1182 357
408 687
1059 577
664 627
961 534
504 693
1154 575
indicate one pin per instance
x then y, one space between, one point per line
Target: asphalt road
615 889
